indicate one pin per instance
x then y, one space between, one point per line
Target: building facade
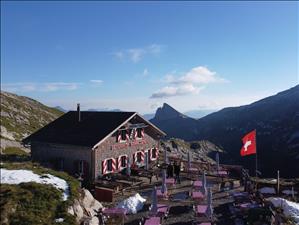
93 144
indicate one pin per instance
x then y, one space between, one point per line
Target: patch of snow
132 204
59 220
288 192
25 176
267 190
290 209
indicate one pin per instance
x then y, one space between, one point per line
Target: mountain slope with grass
21 116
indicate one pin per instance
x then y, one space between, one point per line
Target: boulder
78 210
94 221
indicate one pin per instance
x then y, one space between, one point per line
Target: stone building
92 144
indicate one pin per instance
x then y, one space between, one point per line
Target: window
139 132
123 134
139 157
154 153
123 161
109 165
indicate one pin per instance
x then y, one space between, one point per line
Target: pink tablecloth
110 211
197 195
160 194
152 221
162 208
197 183
170 181
192 169
201 209
222 172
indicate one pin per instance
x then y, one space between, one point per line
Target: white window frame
122 167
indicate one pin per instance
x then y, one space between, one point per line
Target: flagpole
255 155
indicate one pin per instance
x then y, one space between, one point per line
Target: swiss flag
249 144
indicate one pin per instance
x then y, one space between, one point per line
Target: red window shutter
104 167
113 165
127 135
142 133
118 136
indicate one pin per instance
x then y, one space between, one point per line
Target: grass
14 151
33 203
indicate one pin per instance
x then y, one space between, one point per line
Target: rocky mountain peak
167 112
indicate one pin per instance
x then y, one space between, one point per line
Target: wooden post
278 182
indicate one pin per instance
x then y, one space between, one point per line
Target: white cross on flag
249 144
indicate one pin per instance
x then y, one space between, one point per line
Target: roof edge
154 126
108 135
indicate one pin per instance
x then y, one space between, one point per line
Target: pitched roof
94 126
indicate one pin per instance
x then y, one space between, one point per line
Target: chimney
78 111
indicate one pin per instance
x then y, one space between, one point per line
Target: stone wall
110 148
48 153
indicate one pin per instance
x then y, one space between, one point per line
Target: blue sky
137 55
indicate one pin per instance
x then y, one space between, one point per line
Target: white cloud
119 55
198 75
42 87
145 72
189 83
154 48
137 54
170 91
96 83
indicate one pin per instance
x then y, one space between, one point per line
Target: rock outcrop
86 208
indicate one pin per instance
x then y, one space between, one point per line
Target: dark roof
92 128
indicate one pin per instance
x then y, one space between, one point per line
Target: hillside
21 116
275 118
